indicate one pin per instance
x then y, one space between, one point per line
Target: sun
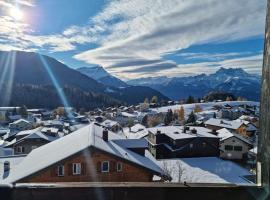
16 13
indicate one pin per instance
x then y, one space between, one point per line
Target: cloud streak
147 30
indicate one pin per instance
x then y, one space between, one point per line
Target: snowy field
205 106
205 170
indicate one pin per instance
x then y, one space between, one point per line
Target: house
112 125
178 141
86 155
232 145
234 126
26 141
230 114
20 125
123 118
135 132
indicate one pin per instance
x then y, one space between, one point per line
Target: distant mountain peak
231 71
98 73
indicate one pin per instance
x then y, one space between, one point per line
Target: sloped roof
137 127
176 132
71 144
225 134
224 123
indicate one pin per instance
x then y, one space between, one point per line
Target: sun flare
16 13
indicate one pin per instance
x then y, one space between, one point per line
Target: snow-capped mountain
101 75
233 80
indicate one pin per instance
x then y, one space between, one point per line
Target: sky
139 38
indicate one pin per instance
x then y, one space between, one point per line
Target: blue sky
138 38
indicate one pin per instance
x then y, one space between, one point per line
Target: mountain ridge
233 80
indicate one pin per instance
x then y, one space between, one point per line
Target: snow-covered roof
224 123
205 170
224 134
37 134
28 132
126 114
137 127
20 120
51 129
176 132
109 123
88 136
132 143
13 161
254 150
137 135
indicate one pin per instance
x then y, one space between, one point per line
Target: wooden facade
91 160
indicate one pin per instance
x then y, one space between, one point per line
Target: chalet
26 141
178 142
86 155
233 126
112 125
230 114
136 132
233 146
20 125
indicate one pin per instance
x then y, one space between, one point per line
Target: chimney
158 132
214 131
194 131
105 135
6 166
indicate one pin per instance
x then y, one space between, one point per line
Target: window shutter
98 166
83 168
70 169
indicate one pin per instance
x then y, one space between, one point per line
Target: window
238 148
60 170
190 145
119 167
105 166
76 168
228 147
20 149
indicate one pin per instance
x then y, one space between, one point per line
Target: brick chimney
105 135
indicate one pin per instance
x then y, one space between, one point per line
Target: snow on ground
205 106
204 170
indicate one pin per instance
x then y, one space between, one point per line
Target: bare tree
180 170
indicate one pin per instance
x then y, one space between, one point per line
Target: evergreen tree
23 111
191 118
190 99
215 115
168 117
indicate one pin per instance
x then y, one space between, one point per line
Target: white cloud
146 30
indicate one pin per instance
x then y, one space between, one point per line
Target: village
178 142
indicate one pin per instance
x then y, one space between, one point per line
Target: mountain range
101 75
35 80
233 80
